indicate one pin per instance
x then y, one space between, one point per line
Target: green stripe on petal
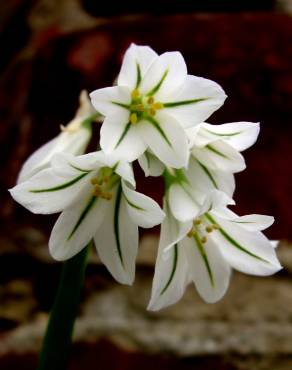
183 102
83 215
226 134
124 133
79 169
158 85
122 105
174 266
139 77
159 129
209 174
233 241
59 187
134 205
147 159
212 149
116 223
205 258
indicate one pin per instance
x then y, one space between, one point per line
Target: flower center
142 107
201 230
103 183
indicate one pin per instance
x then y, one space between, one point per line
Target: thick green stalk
57 341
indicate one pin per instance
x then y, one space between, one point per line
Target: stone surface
251 325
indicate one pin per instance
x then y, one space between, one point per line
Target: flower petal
185 203
136 62
166 139
197 99
121 138
254 222
220 156
76 226
166 74
125 170
47 192
208 269
111 100
39 160
246 251
171 269
206 179
150 164
117 240
240 135
143 210
66 164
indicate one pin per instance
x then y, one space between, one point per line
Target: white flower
188 190
151 165
95 195
218 147
204 252
73 139
153 104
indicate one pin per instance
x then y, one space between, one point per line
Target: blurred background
50 50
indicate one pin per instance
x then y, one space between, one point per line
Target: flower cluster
155 114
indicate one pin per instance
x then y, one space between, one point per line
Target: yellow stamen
197 221
94 181
97 191
209 229
150 100
215 227
152 111
157 105
135 94
191 233
107 195
133 118
204 240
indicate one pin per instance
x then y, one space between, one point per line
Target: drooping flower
188 190
95 194
205 250
154 101
73 139
218 147
150 164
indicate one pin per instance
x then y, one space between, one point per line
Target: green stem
57 341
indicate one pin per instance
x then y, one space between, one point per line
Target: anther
191 233
94 181
209 229
107 195
215 227
97 191
135 94
204 240
197 221
150 100
157 105
133 118
152 111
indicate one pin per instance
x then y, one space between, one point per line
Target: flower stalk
57 341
